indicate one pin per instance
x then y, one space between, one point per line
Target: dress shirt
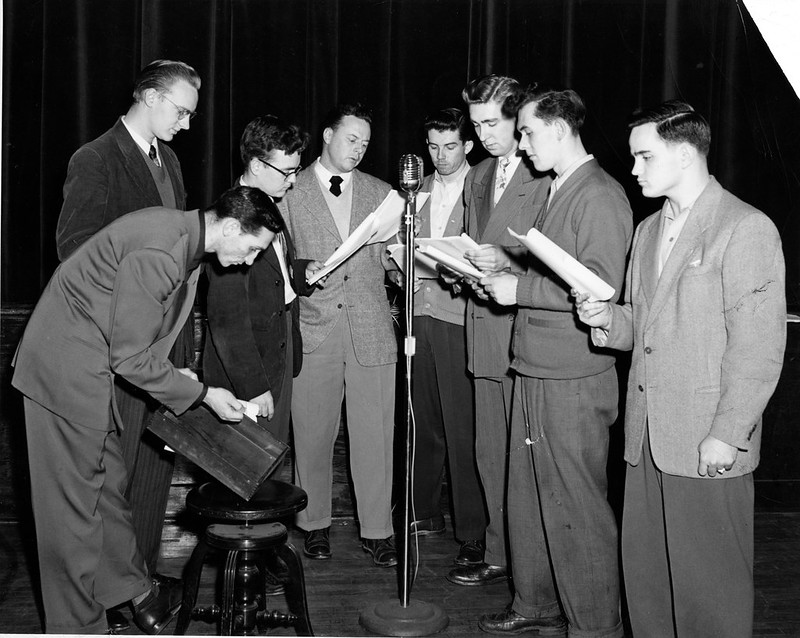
279 245
143 143
444 196
560 179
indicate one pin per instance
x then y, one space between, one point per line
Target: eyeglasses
286 174
182 111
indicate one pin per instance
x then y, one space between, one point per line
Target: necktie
503 178
336 187
154 156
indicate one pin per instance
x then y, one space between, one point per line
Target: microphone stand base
390 618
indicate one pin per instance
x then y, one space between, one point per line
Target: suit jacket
245 348
435 298
708 335
357 286
107 178
488 324
590 218
115 307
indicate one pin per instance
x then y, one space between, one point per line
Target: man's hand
187 372
502 287
480 293
596 314
312 268
226 406
396 277
489 258
715 456
266 405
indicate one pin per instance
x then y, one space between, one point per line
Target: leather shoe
382 549
318 544
471 553
116 621
475 575
167 581
508 622
426 526
161 604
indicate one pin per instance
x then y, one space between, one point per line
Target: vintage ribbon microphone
406 617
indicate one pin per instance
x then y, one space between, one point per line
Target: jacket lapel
687 251
134 164
311 197
503 213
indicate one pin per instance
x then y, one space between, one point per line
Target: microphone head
411 173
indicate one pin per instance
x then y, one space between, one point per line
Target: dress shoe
471 553
382 549
318 544
161 604
426 526
475 575
116 621
167 581
509 623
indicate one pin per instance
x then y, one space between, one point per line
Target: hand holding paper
380 225
565 265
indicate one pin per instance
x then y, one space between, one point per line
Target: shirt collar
324 175
140 141
558 182
459 179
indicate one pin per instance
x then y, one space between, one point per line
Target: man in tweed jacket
705 316
349 343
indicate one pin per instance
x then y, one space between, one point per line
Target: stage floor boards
340 588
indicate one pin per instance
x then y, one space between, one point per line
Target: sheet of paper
250 409
425 267
458 264
379 226
565 265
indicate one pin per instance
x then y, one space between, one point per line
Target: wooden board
239 455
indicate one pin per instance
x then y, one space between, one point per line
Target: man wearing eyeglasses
253 346
129 168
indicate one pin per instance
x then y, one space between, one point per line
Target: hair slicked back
676 122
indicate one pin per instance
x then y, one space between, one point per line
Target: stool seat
248 538
272 501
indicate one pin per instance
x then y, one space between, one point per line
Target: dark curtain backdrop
68 66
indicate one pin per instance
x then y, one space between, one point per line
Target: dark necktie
154 156
336 187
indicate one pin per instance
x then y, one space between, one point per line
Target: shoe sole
427 532
316 556
533 631
464 563
477 583
392 563
157 629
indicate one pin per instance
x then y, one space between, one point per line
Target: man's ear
687 154
562 129
231 227
150 96
327 134
468 146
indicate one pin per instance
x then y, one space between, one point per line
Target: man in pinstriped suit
126 169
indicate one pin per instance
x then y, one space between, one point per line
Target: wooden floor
339 589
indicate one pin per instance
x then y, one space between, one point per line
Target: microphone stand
406 617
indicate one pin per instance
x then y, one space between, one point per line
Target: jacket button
338 305
283 344
641 389
346 277
647 350
511 317
277 282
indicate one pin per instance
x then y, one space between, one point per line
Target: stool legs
191 583
296 588
247 553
